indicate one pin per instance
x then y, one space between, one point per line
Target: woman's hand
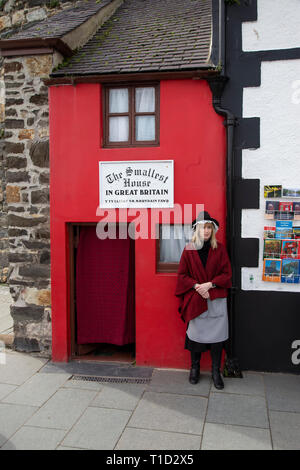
203 289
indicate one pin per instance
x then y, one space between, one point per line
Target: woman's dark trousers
195 367
216 355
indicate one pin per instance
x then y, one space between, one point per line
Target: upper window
131 116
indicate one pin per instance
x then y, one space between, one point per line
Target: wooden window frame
161 267
132 142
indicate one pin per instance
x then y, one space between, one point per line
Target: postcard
272 249
272 270
296 232
269 232
296 209
284 229
291 192
271 208
285 206
290 249
290 271
273 191
283 215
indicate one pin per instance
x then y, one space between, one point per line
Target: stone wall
16 14
26 158
24 179
4 264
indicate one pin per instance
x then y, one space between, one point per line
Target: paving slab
6 324
19 367
283 392
169 412
178 382
12 417
228 437
31 438
63 409
145 439
250 384
6 320
225 408
285 430
6 389
99 369
68 448
83 384
37 390
120 396
97 429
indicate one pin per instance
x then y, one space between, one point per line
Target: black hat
204 217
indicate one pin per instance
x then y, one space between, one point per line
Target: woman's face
206 231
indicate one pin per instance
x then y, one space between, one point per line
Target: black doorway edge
264 323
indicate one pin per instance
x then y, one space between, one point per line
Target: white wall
277 103
277 26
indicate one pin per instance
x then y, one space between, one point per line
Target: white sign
136 184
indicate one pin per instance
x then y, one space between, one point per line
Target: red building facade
193 136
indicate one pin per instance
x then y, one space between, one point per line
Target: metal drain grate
118 380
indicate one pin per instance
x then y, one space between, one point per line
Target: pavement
6 321
108 406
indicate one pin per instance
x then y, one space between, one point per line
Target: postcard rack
282 215
281 253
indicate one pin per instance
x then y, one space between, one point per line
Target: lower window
170 245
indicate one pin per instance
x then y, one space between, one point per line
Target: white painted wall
277 161
277 26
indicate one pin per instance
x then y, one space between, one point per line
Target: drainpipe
217 85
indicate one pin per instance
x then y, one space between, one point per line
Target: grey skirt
211 326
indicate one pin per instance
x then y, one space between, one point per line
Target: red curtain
104 289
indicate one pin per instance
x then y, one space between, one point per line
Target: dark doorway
103 299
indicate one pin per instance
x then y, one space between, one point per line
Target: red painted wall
191 134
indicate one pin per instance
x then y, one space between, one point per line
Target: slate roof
148 35
63 22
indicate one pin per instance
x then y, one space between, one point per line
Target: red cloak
191 271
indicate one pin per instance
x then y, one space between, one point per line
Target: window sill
167 268
125 146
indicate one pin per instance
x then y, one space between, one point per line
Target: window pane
118 129
145 100
145 127
173 239
118 100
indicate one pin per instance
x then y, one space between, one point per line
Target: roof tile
147 35
63 22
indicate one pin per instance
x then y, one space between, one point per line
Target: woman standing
204 275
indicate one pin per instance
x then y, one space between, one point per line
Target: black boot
195 368
216 355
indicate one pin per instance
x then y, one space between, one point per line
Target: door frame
73 235
77 350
